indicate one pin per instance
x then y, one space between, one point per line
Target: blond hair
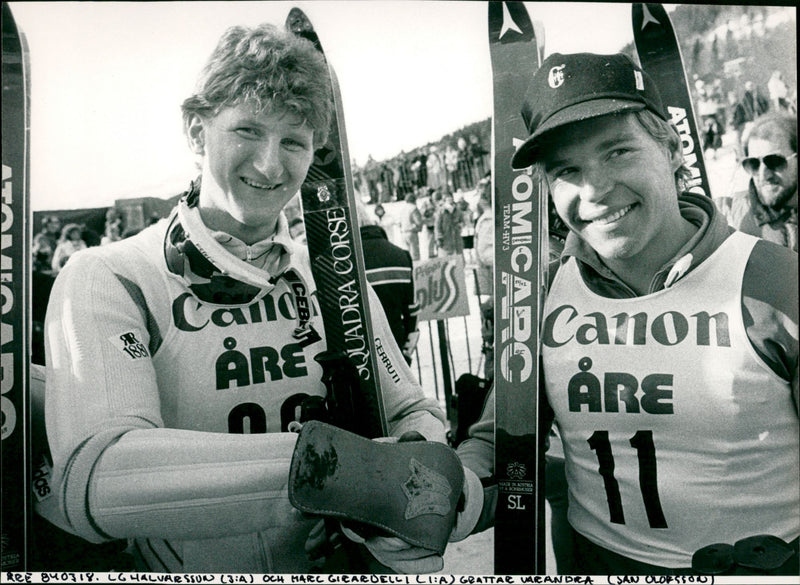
270 68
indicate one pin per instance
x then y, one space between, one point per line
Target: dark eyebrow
623 137
255 122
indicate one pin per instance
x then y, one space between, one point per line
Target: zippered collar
697 209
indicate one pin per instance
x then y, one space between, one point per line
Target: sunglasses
774 162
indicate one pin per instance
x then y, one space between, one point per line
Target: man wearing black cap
670 356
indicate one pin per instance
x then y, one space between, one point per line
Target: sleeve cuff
473 506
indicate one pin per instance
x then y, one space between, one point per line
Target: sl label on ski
14 272
337 260
660 56
519 520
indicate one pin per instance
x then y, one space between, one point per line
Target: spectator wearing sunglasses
768 208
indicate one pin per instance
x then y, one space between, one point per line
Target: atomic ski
660 56
15 266
337 264
518 283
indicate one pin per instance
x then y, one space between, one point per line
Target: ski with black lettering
660 56
519 277
337 264
14 278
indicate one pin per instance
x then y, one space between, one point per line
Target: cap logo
639 80
555 78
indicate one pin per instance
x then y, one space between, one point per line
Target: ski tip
509 22
9 25
637 17
649 19
298 22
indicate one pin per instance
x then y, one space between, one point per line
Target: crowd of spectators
760 127
733 112
451 165
52 247
433 223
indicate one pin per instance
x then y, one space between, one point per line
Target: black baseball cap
579 86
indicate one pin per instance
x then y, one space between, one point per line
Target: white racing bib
676 434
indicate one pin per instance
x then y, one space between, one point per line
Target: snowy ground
724 173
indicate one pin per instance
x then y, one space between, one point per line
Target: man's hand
399 555
403 557
410 345
396 553
399 497
470 507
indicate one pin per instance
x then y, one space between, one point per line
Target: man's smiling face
613 184
253 163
